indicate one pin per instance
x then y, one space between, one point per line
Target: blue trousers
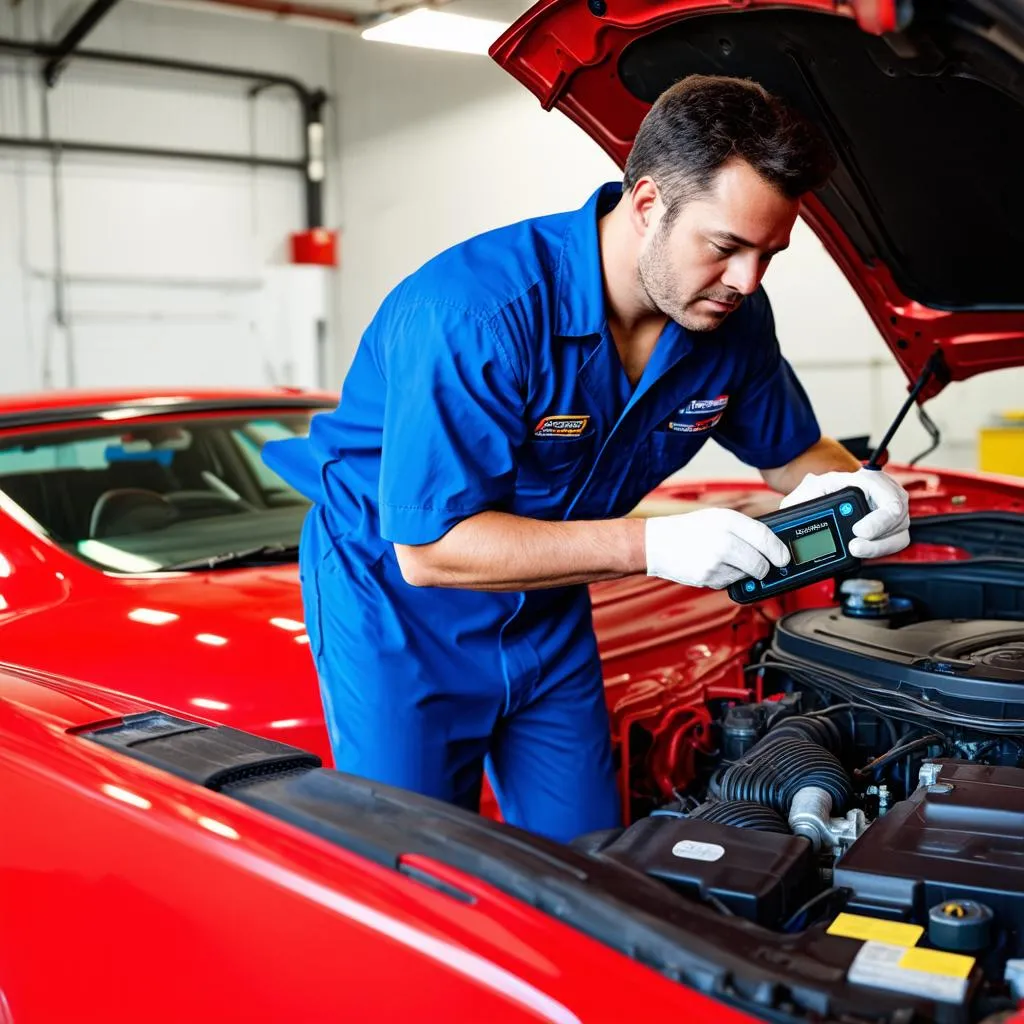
430 715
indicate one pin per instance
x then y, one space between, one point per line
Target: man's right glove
711 548
885 529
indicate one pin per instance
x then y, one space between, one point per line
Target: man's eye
722 250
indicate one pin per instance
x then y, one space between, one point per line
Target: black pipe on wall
88 20
57 145
312 101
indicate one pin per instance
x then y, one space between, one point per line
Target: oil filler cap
960 925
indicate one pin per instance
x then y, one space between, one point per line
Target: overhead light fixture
437 30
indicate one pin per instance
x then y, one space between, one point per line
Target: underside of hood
925 213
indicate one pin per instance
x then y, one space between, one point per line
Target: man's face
715 252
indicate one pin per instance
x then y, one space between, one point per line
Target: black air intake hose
817 728
742 814
791 757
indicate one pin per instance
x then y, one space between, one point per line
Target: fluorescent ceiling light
437 30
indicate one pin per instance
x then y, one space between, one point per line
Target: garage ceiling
359 14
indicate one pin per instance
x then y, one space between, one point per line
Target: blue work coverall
489 380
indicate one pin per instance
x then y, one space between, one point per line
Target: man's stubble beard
655 277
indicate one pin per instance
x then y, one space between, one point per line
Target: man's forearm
498 551
823 457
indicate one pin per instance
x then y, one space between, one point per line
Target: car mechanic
509 404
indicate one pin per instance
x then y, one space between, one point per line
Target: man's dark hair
703 121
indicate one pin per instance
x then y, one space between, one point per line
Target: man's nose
743 274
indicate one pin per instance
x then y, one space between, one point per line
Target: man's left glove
883 531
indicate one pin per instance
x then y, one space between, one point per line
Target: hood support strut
934 367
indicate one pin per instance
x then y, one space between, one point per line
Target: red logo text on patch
697 416
696 427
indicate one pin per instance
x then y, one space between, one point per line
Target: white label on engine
689 849
878 964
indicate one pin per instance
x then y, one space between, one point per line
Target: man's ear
644 204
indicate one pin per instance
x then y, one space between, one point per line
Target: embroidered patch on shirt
697 416
561 426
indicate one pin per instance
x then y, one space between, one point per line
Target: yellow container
1001 446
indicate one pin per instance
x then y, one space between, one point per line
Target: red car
824 792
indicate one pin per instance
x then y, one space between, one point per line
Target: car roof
75 405
73 398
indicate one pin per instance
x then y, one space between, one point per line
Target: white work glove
711 548
883 531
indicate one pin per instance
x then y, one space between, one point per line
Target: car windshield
146 497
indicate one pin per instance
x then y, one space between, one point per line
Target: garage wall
124 270
436 147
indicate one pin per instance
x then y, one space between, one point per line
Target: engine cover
758 875
974 666
961 838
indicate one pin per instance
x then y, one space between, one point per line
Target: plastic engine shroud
966 665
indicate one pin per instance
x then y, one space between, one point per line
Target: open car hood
924 104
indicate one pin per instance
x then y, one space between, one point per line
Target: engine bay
875 790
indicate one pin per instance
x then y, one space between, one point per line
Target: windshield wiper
270 554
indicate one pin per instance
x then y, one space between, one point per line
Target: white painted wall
436 147
172 272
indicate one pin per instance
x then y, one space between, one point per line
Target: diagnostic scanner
818 535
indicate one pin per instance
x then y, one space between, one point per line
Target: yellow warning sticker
873 929
932 961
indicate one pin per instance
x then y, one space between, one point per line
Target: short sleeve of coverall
769 420
453 417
